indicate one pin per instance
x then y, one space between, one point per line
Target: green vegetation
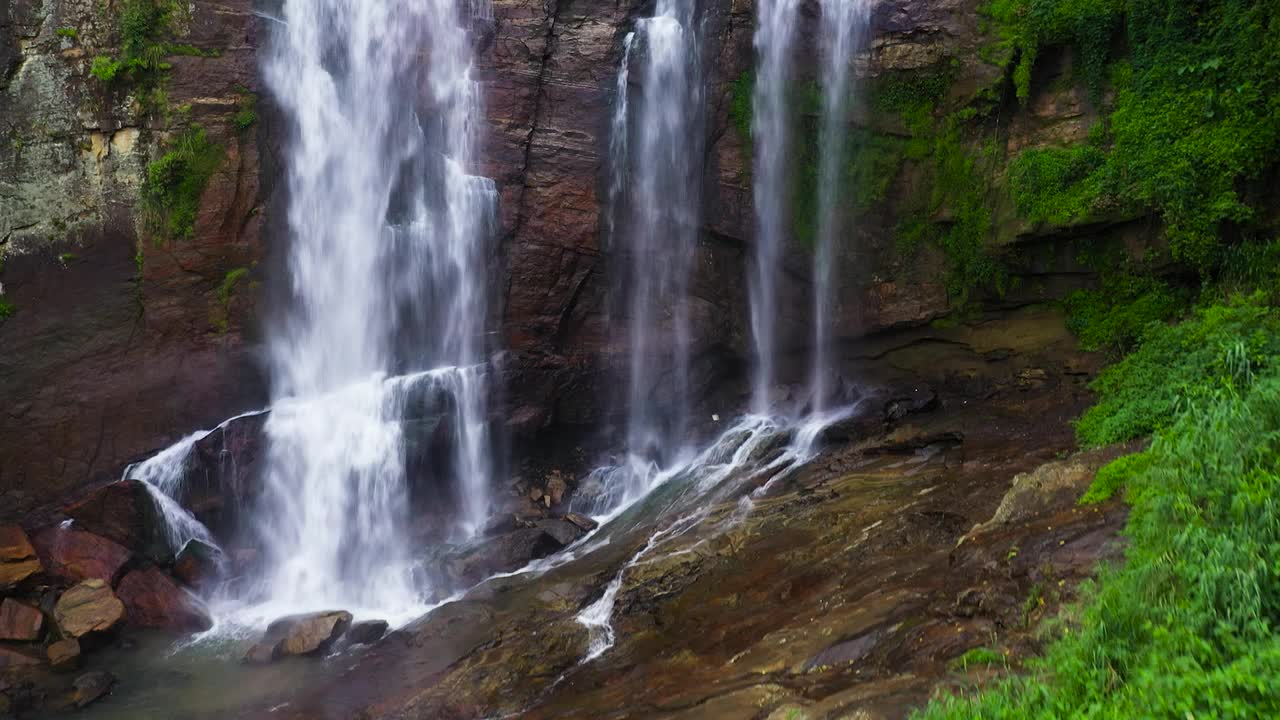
977 657
67 32
742 107
1194 115
176 181
1186 627
247 111
1115 475
6 310
142 25
1177 366
225 291
1114 317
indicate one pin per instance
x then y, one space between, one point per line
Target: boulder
64 654
152 599
563 530
367 632
91 686
309 634
18 560
197 563
89 608
19 621
556 488
583 522
17 657
74 555
126 513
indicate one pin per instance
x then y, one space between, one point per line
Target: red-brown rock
155 600
126 513
18 559
75 555
196 564
19 621
15 657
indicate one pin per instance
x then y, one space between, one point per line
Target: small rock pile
70 587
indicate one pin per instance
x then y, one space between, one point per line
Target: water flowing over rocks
126 513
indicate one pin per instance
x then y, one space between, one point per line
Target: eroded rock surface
152 599
18 559
87 609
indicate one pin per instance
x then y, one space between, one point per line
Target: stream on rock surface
391 233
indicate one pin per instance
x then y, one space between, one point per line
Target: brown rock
18 559
583 522
154 600
64 654
366 632
19 621
556 488
196 564
73 554
126 513
89 608
308 634
15 657
91 686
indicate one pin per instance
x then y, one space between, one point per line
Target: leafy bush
1114 317
1222 346
6 310
1186 627
176 181
1195 111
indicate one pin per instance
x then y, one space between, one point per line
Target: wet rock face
18 560
88 609
126 513
19 621
91 686
64 655
89 376
73 555
154 600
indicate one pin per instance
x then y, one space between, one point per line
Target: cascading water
843 27
654 197
774 39
387 270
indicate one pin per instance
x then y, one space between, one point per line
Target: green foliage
1114 317
67 32
177 180
229 283
977 657
247 114
1186 627
1058 186
105 68
1195 111
742 108
1176 366
6 310
1115 475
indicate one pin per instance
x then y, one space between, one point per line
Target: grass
175 183
977 657
1185 628
1177 366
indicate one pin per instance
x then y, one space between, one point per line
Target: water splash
844 24
771 130
387 267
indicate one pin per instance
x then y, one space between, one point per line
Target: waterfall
389 236
844 23
774 39
656 165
